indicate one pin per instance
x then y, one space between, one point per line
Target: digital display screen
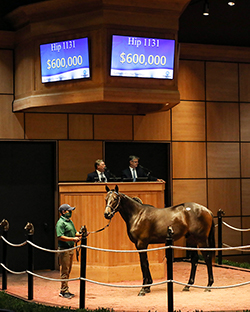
142 57
65 60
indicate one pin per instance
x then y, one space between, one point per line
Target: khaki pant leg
66 259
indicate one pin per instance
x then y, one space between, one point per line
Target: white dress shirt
101 176
133 173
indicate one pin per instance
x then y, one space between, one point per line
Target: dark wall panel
27 192
153 156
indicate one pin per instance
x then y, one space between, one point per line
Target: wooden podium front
89 200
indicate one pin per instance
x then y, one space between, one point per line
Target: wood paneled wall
209 132
214 114
11 125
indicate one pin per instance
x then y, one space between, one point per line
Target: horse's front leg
147 279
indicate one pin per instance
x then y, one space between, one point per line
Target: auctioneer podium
89 200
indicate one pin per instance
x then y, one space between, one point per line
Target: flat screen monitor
142 179
65 60
142 57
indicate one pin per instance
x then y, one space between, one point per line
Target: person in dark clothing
135 171
100 174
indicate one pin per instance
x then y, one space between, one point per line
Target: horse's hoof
186 288
207 290
147 290
142 293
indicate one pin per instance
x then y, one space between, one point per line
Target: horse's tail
211 240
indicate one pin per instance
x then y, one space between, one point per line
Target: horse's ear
116 189
107 189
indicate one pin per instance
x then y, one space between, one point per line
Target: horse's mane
138 199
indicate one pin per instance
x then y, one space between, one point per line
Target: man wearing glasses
135 171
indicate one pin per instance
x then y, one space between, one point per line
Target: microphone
112 175
107 169
145 170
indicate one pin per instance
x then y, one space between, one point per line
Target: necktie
134 178
102 177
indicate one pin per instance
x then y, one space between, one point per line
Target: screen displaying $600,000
142 57
65 60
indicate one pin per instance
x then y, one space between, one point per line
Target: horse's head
112 202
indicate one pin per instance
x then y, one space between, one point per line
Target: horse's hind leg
147 279
194 262
208 259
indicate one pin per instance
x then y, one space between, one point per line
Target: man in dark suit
99 175
133 171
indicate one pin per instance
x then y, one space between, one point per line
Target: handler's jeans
65 261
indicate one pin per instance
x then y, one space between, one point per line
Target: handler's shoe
72 295
66 295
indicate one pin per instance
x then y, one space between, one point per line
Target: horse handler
67 237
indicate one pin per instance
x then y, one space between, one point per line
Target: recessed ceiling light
206 8
231 3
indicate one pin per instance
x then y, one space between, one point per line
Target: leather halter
114 209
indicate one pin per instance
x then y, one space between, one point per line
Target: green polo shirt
65 227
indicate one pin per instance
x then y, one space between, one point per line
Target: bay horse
149 225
